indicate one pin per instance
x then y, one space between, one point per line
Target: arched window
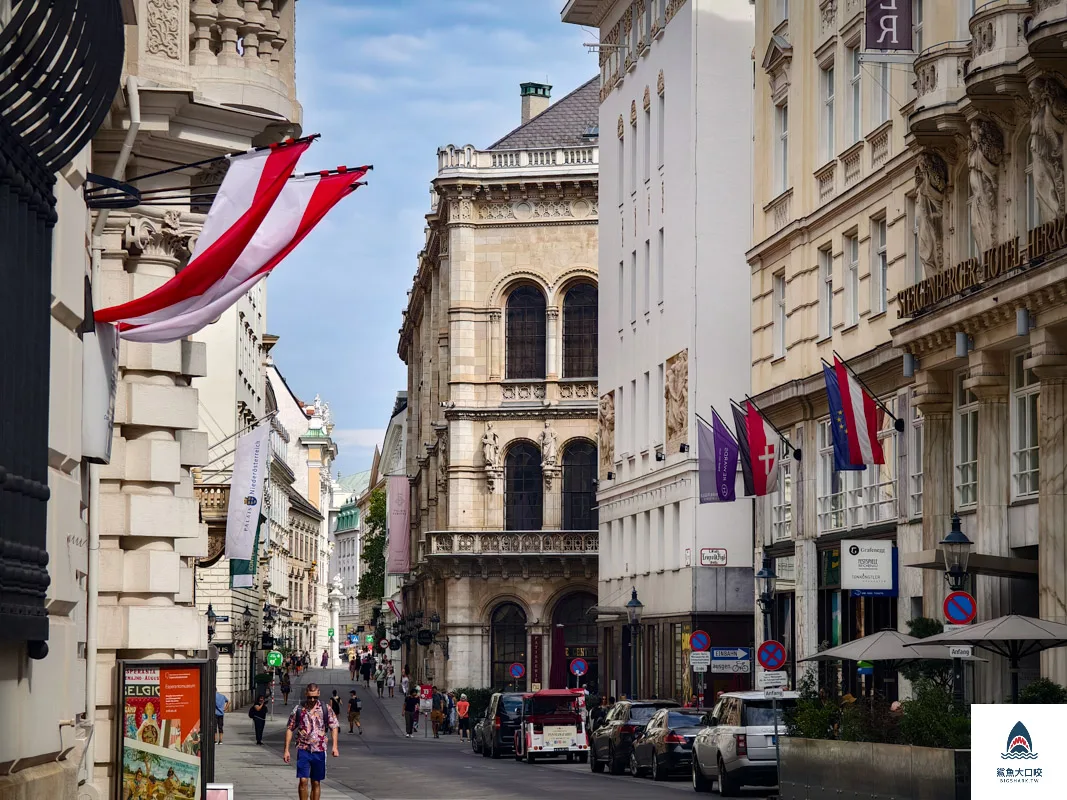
580 332
579 489
523 488
574 636
526 333
507 641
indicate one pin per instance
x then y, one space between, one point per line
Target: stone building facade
499 337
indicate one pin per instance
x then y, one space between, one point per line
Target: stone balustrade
998 38
939 80
513 543
453 158
214 500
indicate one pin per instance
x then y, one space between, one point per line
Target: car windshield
510 705
677 719
552 705
760 712
642 713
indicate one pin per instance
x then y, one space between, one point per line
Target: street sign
579 666
700 668
394 644
960 651
384 644
370 637
774 692
698 640
732 667
222 618
731 653
771 679
713 556
700 658
771 655
329 632
516 670
274 659
960 608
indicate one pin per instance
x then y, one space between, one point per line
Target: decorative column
933 397
270 29
496 354
553 369
553 506
231 17
202 15
1049 362
336 597
805 552
249 30
989 382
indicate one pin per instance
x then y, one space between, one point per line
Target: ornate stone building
500 339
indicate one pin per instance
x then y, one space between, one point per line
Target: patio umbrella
894 648
1013 637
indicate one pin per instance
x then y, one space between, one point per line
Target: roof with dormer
562 124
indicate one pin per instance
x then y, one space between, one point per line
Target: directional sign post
735 660
699 640
960 608
771 655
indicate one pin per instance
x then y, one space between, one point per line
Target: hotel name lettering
972 273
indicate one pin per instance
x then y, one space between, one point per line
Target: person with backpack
335 704
309 722
258 714
379 680
410 712
437 712
355 705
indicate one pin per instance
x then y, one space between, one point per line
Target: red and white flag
759 447
301 205
863 419
252 184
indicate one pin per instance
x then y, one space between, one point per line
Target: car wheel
635 768
615 767
700 783
659 771
482 750
474 745
727 786
595 765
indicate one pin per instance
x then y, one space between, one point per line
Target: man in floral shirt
310 721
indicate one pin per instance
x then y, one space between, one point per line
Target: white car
737 747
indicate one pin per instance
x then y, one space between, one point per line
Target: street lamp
633 613
211 617
767 578
956 550
246 618
435 623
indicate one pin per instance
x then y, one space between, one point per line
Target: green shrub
1043 690
815 715
869 720
934 719
478 698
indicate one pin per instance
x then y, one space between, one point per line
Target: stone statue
548 445
337 583
931 182
1048 125
442 461
676 394
491 447
983 162
606 433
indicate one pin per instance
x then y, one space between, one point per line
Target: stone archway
574 635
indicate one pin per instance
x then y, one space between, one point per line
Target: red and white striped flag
248 192
863 419
301 205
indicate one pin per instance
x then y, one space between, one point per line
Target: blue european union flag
838 428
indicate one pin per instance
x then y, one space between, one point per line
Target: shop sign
888 24
867 565
536 650
580 652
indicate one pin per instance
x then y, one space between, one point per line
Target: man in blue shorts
310 722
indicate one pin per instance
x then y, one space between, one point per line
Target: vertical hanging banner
100 380
888 25
242 572
398 560
718 461
246 492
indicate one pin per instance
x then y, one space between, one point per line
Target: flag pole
797 453
712 426
898 423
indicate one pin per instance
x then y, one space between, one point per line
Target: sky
388 82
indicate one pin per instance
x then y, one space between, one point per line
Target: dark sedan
665 747
495 735
610 743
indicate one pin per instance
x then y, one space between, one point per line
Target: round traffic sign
960 608
579 666
384 644
771 655
516 670
699 640
274 659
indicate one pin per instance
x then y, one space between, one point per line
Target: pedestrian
325 658
307 661
451 712
310 721
410 712
379 680
355 705
405 683
335 704
286 686
390 680
437 712
221 702
353 664
367 669
463 711
258 714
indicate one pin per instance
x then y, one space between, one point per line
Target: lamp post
633 612
956 551
211 617
766 578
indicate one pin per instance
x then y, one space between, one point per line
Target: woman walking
379 680
325 658
411 713
258 714
405 683
390 680
286 686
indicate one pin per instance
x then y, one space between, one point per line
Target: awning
977 564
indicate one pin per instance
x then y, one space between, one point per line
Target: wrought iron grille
523 488
526 333
580 332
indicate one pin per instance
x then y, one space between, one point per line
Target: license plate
561 749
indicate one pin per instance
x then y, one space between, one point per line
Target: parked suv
496 734
738 745
610 743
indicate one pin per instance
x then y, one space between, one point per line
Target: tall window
831 494
878 499
915 266
779 314
622 169
579 487
879 267
915 460
661 412
646 274
854 86
828 119
633 158
917 25
852 279
781 150
622 294
523 488
782 503
966 444
659 267
648 144
826 293
1025 390
662 125
507 627
526 333
781 11
881 104
633 286
580 331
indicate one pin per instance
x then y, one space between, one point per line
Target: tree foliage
372 581
938 671
1042 690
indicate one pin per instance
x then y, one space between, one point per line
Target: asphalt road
384 765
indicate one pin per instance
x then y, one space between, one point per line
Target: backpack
359 704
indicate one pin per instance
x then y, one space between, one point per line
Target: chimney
535 99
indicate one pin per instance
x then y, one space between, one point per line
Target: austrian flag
760 447
863 419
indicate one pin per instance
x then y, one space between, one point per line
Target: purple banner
398 559
888 25
718 461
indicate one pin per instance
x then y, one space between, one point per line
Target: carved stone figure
442 462
338 584
676 395
606 433
1048 125
983 162
548 445
931 182
491 447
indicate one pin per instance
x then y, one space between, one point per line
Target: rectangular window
782 504
831 490
826 293
648 144
966 8
622 294
659 267
633 416
646 270
660 407
879 267
661 122
852 279
779 315
781 151
1025 390
917 25
915 461
828 119
646 412
633 286
620 421
621 175
854 87
966 443
633 158
878 498
882 85
782 10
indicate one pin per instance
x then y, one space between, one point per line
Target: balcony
940 85
514 552
214 499
1047 31
998 43
454 161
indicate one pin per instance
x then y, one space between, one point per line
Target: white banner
100 380
246 492
867 564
